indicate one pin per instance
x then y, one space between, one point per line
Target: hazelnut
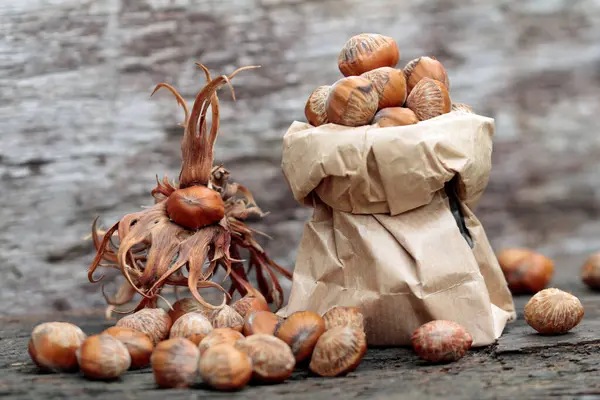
154 322
103 357
590 273
552 311
272 358
227 317
250 303
138 344
338 351
315 111
219 336
429 99
344 316
193 326
441 341
367 51
175 363
425 67
300 331
53 345
462 107
186 305
395 116
390 85
352 101
261 322
224 367
525 271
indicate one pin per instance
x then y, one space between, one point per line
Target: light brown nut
138 344
525 270
367 51
261 322
249 304
272 358
339 351
103 357
154 322
193 326
224 367
344 316
441 341
175 363
590 272
53 345
425 67
553 312
186 305
219 336
300 331
227 317
429 99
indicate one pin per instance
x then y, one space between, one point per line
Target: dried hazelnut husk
138 344
553 312
300 331
315 111
338 351
429 99
195 207
272 358
175 363
390 84
53 345
154 322
352 101
525 271
590 273
344 316
441 341
227 317
193 326
425 67
224 367
186 305
367 51
249 304
462 107
219 336
103 357
395 116
261 322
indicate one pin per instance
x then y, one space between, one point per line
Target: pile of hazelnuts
227 347
374 91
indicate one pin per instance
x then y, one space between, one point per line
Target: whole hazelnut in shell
261 322
338 351
103 357
525 271
301 331
193 326
344 316
441 341
195 207
367 51
315 111
138 344
154 322
224 367
186 305
175 363
219 336
425 67
390 84
553 312
53 346
590 273
250 303
227 317
352 101
429 99
395 116
272 358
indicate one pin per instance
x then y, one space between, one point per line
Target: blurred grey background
81 137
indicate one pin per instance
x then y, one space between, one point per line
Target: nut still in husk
386 95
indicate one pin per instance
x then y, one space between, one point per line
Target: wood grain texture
81 137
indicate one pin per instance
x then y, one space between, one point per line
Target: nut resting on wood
224 367
590 273
272 359
301 331
525 271
338 351
441 341
53 345
219 336
175 363
103 357
138 344
553 311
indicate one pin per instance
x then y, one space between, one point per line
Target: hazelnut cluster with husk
374 91
196 225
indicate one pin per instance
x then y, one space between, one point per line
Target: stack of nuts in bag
374 91
227 348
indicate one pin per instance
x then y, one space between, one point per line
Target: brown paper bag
393 232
